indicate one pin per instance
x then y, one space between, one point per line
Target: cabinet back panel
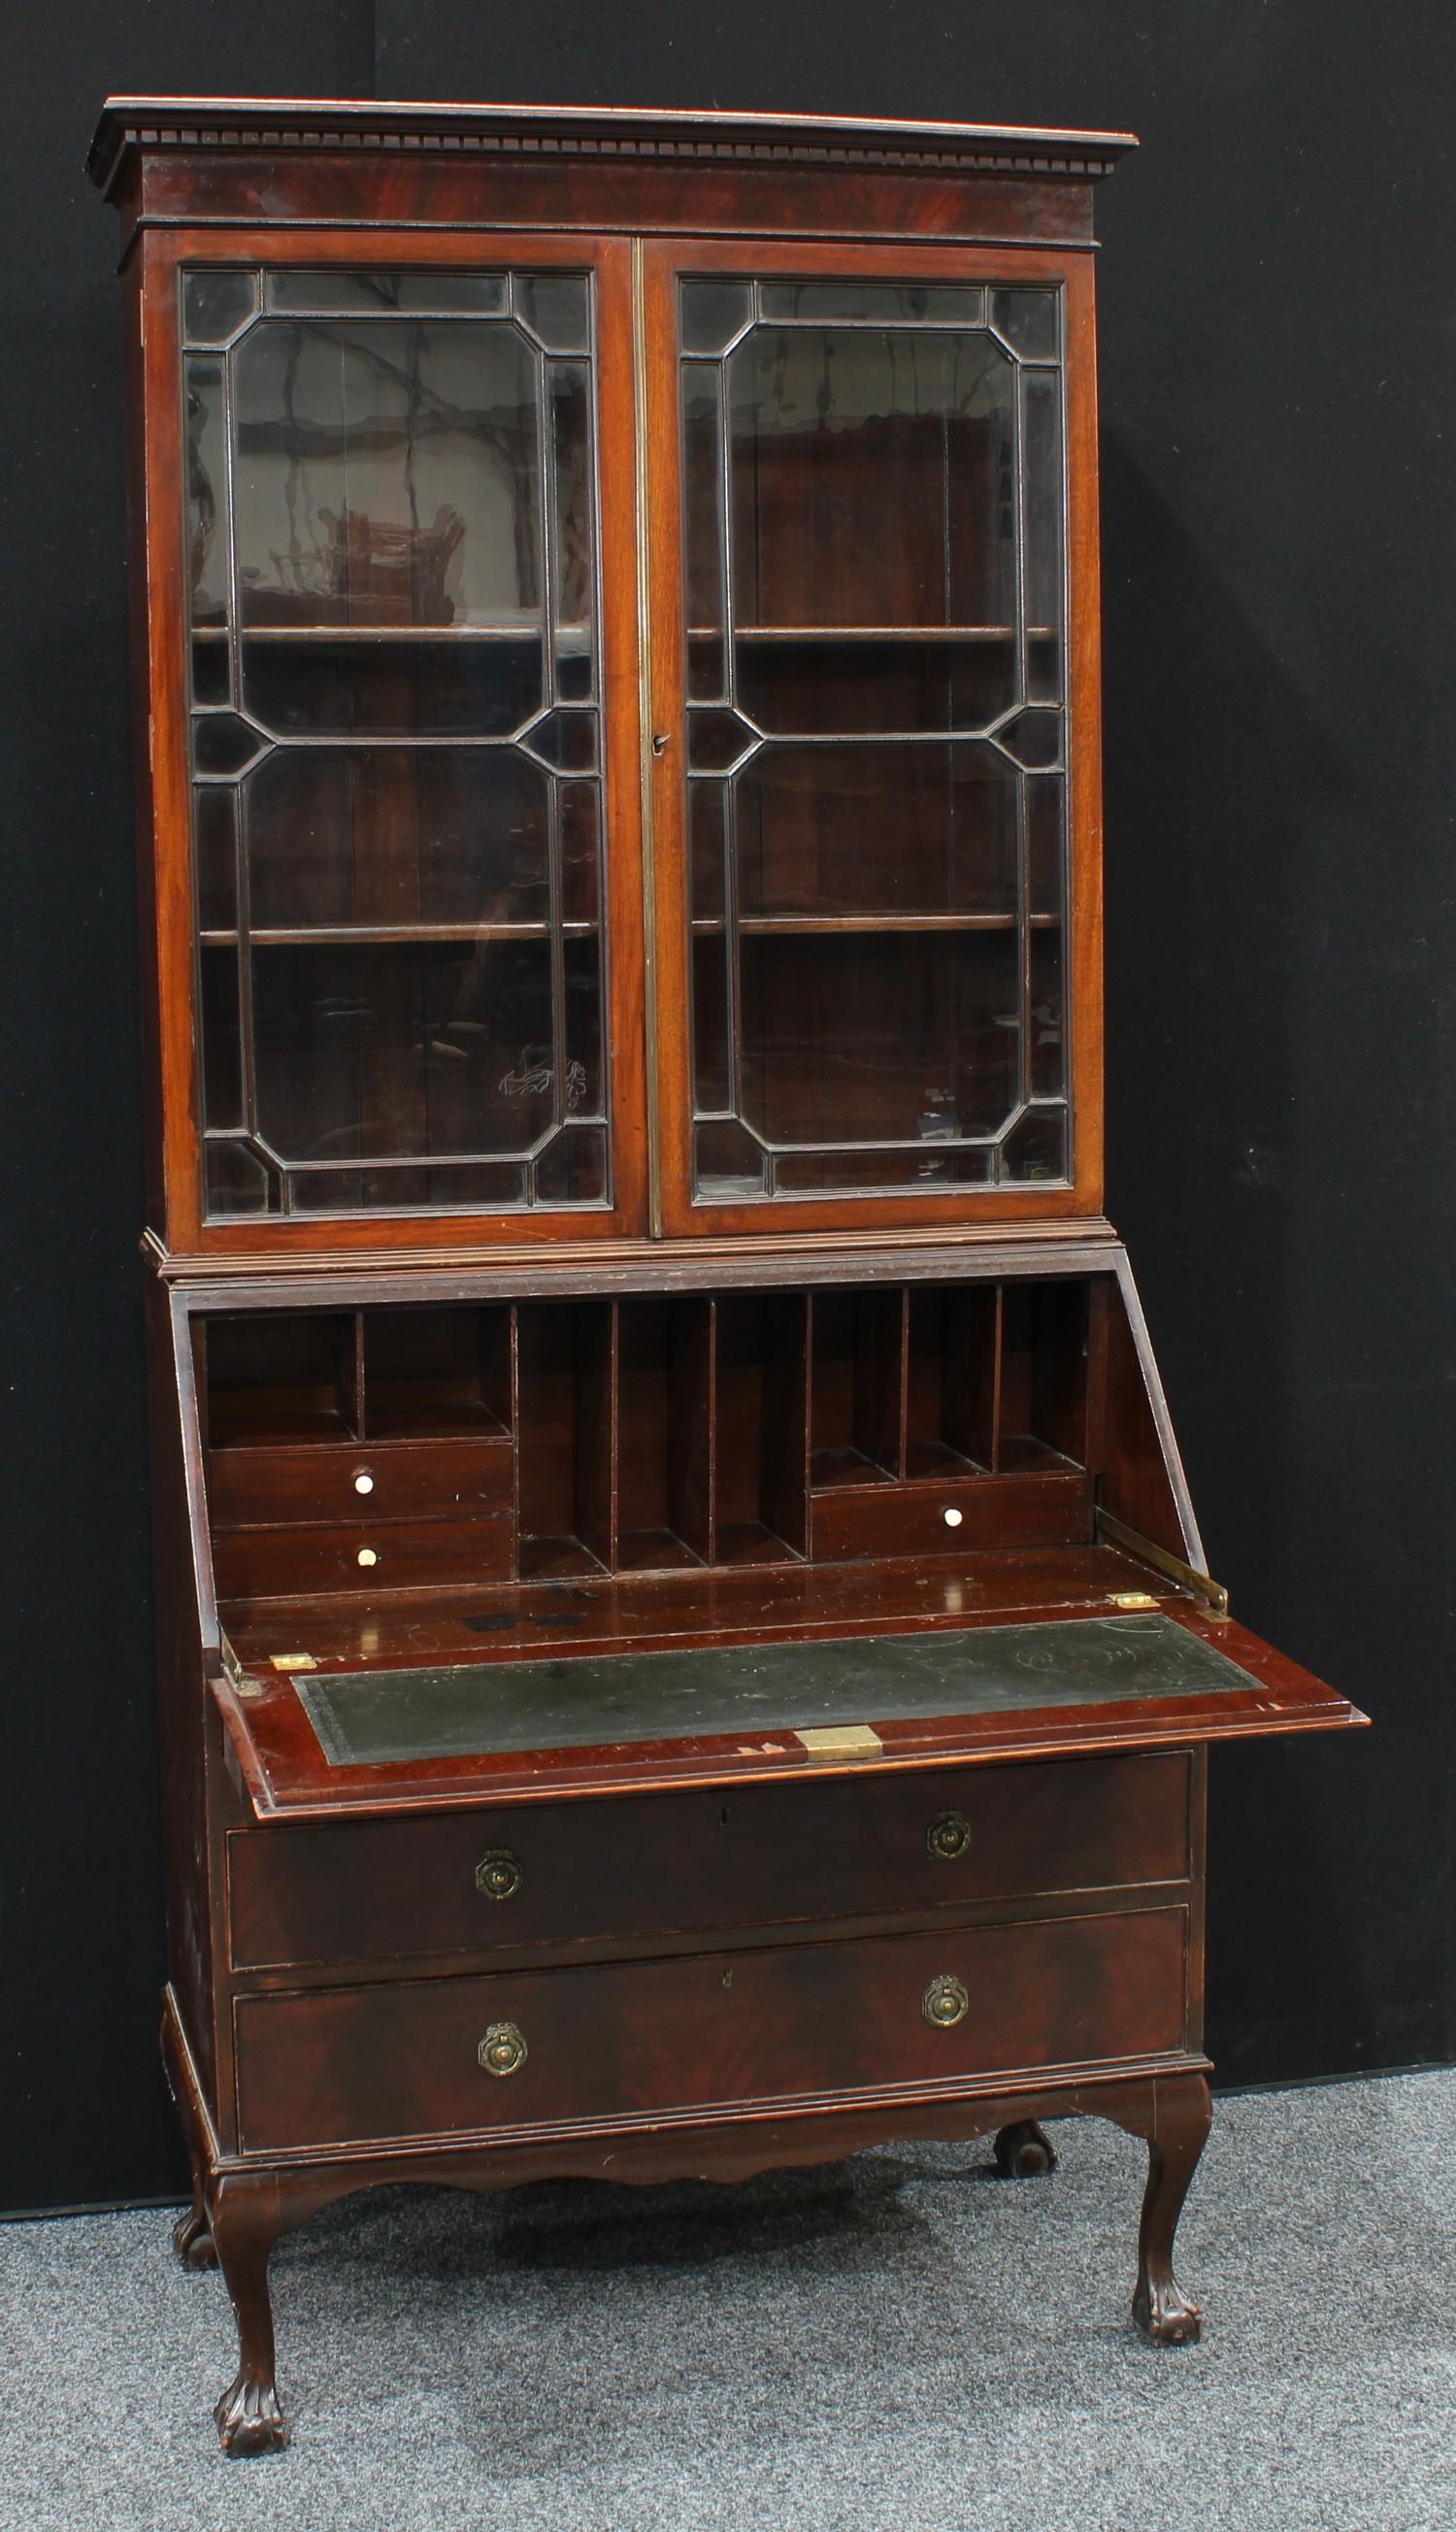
645 1436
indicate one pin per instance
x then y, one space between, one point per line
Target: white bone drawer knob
363 1483
953 1516
366 1556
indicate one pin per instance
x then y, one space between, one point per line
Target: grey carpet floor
900 2343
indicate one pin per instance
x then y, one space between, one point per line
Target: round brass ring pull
499 1875
502 2049
948 1836
944 2003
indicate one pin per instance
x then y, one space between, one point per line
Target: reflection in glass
390 518
386 474
884 302
422 294
873 478
872 526
205 461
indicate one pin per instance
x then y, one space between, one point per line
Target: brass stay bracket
1212 1595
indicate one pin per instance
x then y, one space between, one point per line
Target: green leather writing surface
372 1718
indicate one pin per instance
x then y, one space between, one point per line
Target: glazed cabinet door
875 715
407 951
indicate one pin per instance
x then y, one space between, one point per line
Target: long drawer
658 2037
571 1871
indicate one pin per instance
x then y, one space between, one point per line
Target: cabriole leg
1182 2116
245 2222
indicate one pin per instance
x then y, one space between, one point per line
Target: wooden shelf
875 633
274 935
527 629
811 925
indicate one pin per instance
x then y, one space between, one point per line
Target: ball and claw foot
1165 2314
192 2242
1023 2152
249 2418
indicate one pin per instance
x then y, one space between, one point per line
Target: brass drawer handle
945 2003
502 2050
499 1875
948 1836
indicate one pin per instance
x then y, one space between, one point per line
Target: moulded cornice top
614 133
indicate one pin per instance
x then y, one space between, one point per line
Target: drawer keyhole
948 1836
499 1875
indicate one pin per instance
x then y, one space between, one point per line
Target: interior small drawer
361 1480
267 1564
559 1874
650 2038
1045 1509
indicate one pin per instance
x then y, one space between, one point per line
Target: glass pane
572 1170
211 671
833 429
479 684
713 311
823 831
390 517
555 307
464 1187
216 303
1036 1146
217 858
366 1052
235 1181
574 542
397 837
900 1172
878 1038
1029 319
581 853
222 1056
387 474
703 556
884 303
206 461
423 294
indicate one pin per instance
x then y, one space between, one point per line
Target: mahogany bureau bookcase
685 1646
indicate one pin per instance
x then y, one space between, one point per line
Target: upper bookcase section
616 644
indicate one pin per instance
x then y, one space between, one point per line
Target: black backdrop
1278 368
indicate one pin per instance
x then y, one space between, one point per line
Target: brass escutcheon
944 2003
948 1836
502 2049
499 1875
